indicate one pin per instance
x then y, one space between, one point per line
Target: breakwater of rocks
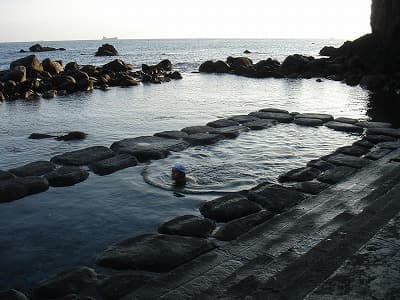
131 263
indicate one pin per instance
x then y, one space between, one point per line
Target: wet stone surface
308 122
66 176
374 138
384 131
353 150
83 157
198 139
313 188
301 174
244 118
376 154
4 175
323 117
37 168
12 295
229 207
17 188
280 117
233 229
274 110
153 252
389 145
222 123
364 143
337 174
346 120
113 164
230 132
347 160
368 124
344 127
188 226
197 129
260 124
174 134
320 164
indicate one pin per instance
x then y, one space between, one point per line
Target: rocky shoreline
140 259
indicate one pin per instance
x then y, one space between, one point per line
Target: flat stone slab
229 207
320 164
378 153
197 129
153 252
384 131
312 187
353 150
222 123
364 143
12 295
375 138
188 225
274 110
4 175
83 157
337 174
308 122
233 229
66 176
343 127
67 282
243 118
173 134
198 139
280 117
113 164
275 198
323 117
230 132
346 120
260 124
389 145
37 168
17 188
145 148
299 175
347 160
369 124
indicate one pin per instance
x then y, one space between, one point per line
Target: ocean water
43 234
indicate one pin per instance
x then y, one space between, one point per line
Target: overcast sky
34 20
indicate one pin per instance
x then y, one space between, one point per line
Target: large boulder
278 116
239 62
299 175
222 123
83 157
172 134
37 168
339 126
4 175
117 65
18 74
296 63
347 160
165 65
113 164
188 225
106 50
198 139
207 67
31 63
66 176
67 282
337 174
145 148
197 129
153 252
17 188
221 67
12 295
229 207
53 67
67 83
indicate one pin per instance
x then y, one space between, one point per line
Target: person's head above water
178 173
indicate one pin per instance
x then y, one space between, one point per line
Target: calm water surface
65 227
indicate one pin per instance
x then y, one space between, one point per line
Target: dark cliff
385 21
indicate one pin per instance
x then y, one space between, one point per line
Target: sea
44 234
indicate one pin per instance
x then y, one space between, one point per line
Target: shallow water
65 227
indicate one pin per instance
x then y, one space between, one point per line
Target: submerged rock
260 124
275 198
230 132
198 139
83 157
113 164
308 122
17 188
66 176
311 187
244 118
233 229
188 226
301 174
67 282
72 136
323 117
145 148
12 295
229 207
39 136
280 117
222 123
153 252
174 134
37 168
197 129
346 120
344 127
40 48
337 174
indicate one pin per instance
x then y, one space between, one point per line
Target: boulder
280 117
71 67
275 198
83 157
37 168
4 175
369 124
364 143
17 74
207 67
274 110
52 67
93 70
260 124
389 145
175 75
67 83
17 188
66 176
30 95
72 136
119 285
353 150
39 136
343 127
197 129
229 207
378 138
243 118
222 123
145 148
230 132
153 252
299 175
31 63
322 117
106 50
377 153
128 81
308 122
296 64
164 65
233 229
394 132
177 135
67 282
113 164
49 94
221 67
328 51
79 75
311 187
239 62
346 120
40 48
117 65
12 295
336 174
347 160
197 139
188 225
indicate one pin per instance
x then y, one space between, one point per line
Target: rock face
385 20
153 252
188 226
106 50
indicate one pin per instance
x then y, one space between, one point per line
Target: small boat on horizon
109 38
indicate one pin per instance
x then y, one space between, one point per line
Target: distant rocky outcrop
40 48
106 50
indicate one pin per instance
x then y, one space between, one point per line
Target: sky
47 20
